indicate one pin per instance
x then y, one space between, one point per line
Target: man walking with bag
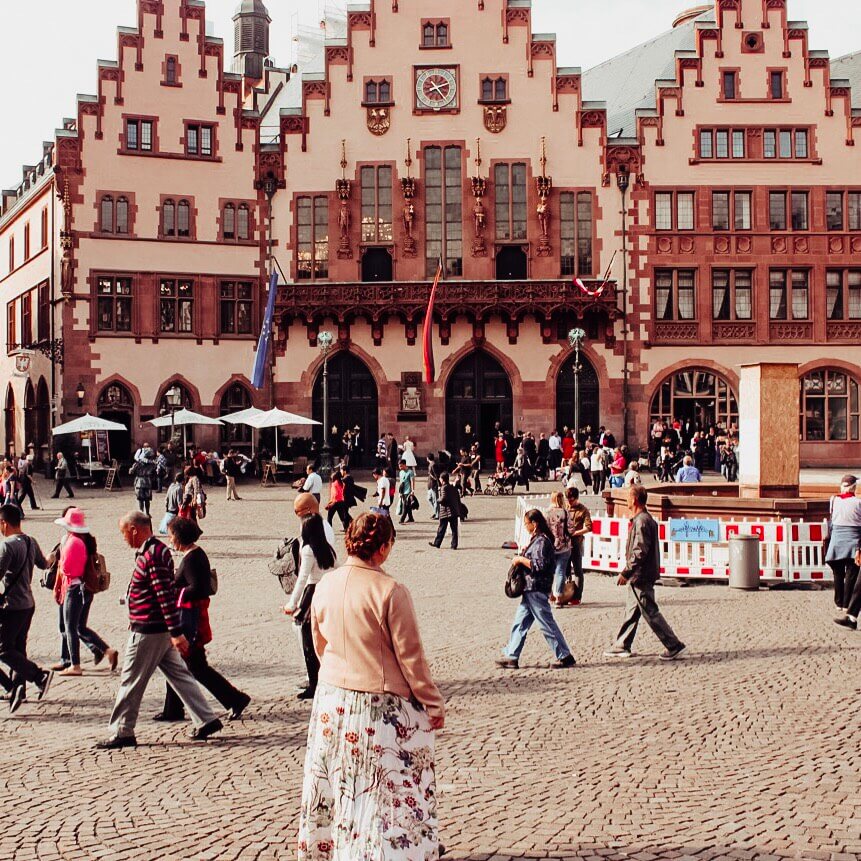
642 569
449 512
156 640
18 555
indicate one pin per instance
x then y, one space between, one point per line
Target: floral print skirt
369 792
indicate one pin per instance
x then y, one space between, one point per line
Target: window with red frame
12 325
199 140
45 227
435 34
43 322
786 144
139 135
27 319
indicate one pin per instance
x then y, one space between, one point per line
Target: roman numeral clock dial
436 89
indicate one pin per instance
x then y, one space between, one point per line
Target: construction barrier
790 552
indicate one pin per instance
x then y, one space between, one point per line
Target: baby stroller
542 469
501 483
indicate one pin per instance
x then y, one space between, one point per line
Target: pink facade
427 130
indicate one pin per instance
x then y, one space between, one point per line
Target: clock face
436 89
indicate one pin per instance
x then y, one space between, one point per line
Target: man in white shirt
383 489
313 484
555 443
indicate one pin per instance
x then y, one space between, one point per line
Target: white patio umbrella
240 419
278 418
183 418
87 423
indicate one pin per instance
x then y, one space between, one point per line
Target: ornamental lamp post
173 396
575 339
324 342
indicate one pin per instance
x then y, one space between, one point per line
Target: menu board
103 447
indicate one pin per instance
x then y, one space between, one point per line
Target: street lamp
80 393
622 181
324 342
575 339
173 396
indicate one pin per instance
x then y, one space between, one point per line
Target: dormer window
435 33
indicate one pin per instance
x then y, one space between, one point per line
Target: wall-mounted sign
706 531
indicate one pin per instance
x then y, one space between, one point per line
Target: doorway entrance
478 401
590 413
116 405
353 401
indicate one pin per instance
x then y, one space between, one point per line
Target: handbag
413 502
49 575
515 581
302 613
285 564
213 581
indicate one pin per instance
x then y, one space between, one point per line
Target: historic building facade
689 205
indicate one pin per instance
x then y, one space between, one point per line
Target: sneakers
672 654
846 622
117 742
507 664
617 652
45 684
564 664
16 698
204 732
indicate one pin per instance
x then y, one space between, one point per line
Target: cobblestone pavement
746 749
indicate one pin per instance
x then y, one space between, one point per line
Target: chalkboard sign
103 447
703 531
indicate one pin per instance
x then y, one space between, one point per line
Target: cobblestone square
745 749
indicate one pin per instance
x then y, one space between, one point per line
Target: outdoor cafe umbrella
277 418
86 424
183 418
240 419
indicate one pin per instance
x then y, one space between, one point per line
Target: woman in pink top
75 599
369 792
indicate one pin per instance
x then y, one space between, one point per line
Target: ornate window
236 300
789 288
674 210
116 397
675 295
312 239
510 187
139 135
494 88
376 183
843 294
176 306
829 407
575 221
199 140
444 209
378 91
114 304
234 400
732 294
698 394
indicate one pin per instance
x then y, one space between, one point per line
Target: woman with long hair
370 786
76 551
194 584
539 559
316 557
338 500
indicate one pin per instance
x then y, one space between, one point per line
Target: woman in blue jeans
539 558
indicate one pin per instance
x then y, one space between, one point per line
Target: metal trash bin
744 562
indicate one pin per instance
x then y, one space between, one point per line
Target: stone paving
746 749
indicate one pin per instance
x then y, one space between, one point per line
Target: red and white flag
598 291
427 329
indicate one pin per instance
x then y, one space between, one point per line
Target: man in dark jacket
62 477
642 570
156 640
449 512
18 554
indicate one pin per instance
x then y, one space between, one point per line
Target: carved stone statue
409 218
344 219
544 218
480 216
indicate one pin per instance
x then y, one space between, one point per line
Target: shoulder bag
97 578
515 581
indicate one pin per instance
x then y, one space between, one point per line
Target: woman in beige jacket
369 792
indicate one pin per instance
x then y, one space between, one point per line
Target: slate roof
849 68
627 83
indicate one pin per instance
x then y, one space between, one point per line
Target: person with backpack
316 557
74 587
144 471
559 521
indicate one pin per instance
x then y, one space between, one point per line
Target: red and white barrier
790 552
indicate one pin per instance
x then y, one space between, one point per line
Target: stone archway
590 395
478 398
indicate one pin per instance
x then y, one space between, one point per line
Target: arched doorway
116 404
695 396
10 419
590 413
29 416
234 400
43 420
477 400
183 436
353 401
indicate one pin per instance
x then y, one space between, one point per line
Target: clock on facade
436 89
